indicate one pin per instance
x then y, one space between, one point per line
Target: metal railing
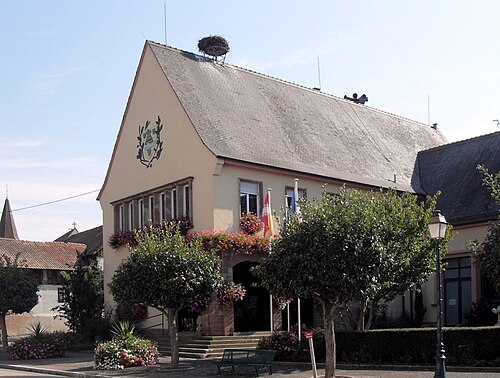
162 323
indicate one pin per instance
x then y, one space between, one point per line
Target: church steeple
7 225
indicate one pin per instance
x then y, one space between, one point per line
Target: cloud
49 84
26 143
77 163
305 56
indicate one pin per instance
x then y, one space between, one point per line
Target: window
157 205
60 295
54 277
140 218
458 295
121 218
163 216
130 216
289 195
151 210
249 197
173 204
186 207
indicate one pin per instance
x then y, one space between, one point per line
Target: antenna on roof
319 75
428 111
165 19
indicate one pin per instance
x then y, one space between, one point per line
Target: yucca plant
37 329
123 330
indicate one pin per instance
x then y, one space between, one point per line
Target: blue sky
67 67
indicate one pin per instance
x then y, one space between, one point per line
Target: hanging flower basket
213 45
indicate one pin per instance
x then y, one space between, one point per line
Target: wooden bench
256 358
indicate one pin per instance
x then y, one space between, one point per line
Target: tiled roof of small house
42 255
451 169
246 116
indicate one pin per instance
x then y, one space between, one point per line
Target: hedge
463 346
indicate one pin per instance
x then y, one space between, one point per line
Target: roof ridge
284 81
458 142
40 242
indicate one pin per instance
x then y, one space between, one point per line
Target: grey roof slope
91 238
67 235
246 116
451 169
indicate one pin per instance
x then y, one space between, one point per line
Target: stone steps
207 346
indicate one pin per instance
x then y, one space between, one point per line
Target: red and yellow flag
267 217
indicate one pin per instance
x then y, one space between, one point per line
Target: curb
52 371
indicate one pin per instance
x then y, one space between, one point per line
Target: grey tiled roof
67 235
42 255
91 238
250 117
451 169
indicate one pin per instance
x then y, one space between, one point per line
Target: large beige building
204 140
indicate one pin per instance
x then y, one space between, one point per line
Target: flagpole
268 228
288 316
296 198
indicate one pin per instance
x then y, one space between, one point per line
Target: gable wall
183 155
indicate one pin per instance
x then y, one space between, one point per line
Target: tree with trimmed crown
18 291
166 272
488 252
335 251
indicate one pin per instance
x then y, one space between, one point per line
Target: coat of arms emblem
150 144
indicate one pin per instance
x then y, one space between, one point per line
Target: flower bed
46 345
120 354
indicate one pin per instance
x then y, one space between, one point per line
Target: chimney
361 100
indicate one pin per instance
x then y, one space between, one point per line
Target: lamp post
437 228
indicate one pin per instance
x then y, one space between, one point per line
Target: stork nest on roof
214 45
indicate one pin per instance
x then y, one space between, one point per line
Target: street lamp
437 228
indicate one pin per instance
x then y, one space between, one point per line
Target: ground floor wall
462 283
19 324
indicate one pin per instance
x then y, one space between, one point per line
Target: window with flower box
154 206
250 197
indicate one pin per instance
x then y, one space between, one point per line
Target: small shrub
120 354
40 346
480 314
288 347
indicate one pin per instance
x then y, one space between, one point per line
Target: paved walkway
80 364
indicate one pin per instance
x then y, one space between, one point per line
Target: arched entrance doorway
252 313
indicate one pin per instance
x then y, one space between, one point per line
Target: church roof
67 235
246 116
7 225
42 255
451 169
91 238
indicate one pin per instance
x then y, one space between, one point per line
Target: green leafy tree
18 291
83 304
488 252
407 255
336 252
165 272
